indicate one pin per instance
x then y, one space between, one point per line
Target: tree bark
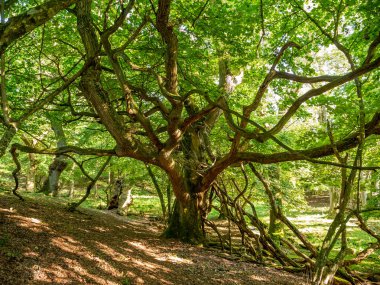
72 188
117 190
6 139
275 226
186 221
18 26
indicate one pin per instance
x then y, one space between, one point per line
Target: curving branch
94 92
66 149
132 109
371 128
15 172
166 29
278 212
311 155
6 139
270 76
49 98
305 79
372 49
132 37
120 20
318 91
196 117
79 114
92 183
262 23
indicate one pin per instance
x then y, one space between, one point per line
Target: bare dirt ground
42 243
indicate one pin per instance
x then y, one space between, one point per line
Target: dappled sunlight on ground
117 256
316 220
174 259
44 244
258 278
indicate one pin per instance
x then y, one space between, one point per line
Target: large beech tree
163 80
185 85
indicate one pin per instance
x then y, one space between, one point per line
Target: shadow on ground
42 243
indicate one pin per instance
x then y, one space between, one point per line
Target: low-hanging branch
66 149
311 155
371 128
60 151
230 206
15 172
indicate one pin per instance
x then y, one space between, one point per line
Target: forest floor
42 243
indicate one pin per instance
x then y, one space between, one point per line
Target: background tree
59 163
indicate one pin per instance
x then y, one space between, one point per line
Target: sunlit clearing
258 278
174 259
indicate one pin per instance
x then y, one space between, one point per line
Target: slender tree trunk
111 183
158 189
72 188
363 195
325 268
31 174
117 190
51 184
275 226
169 197
59 163
125 201
111 175
96 193
333 193
72 182
363 198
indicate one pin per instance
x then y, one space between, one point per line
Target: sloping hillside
42 243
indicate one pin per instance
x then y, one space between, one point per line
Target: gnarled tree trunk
185 222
